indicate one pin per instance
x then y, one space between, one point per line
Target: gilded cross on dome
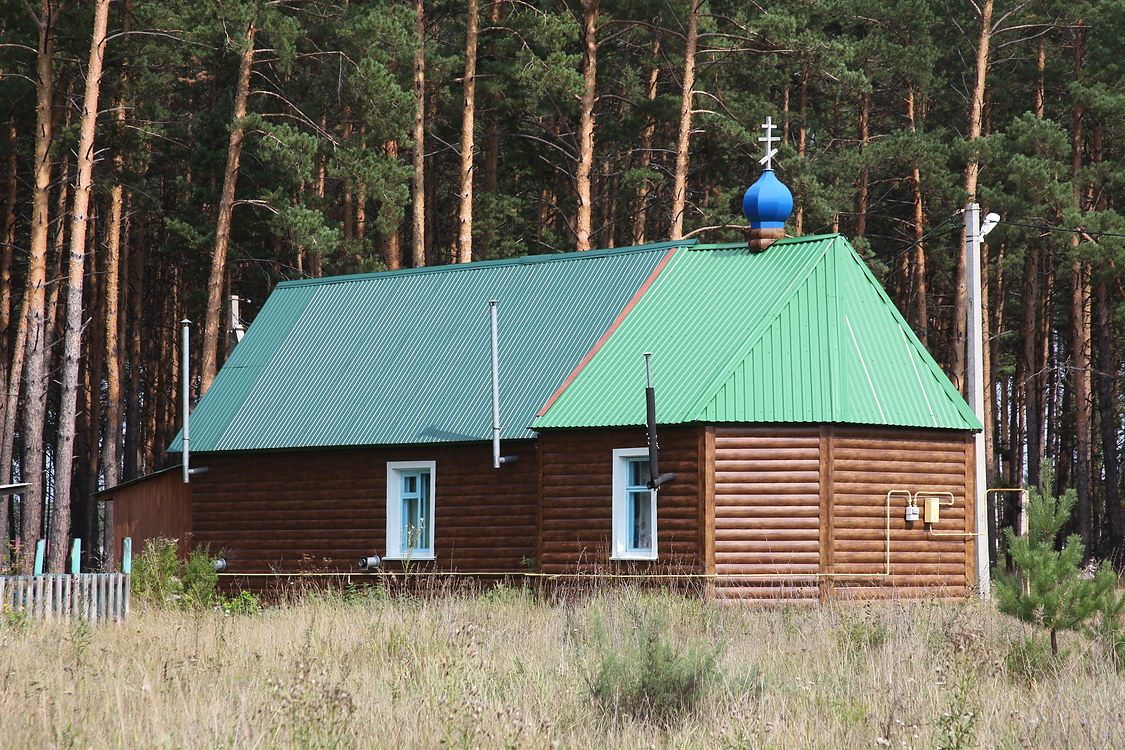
769 139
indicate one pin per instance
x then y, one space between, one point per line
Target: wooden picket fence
93 597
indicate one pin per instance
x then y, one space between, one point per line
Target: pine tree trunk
1040 75
111 447
72 343
8 238
1015 434
785 115
136 289
7 439
1083 407
986 360
972 171
683 141
88 418
584 215
921 312
35 411
468 141
862 187
418 239
802 145
54 267
8 405
1031 344
1048 379
216 281
348 212
491 151
644 146
361 200
391 243
1080 323
994 442
1108 373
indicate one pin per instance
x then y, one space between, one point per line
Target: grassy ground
504 669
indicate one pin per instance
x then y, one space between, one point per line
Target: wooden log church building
816 445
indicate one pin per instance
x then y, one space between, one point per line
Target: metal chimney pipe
656 480
185 393
495 385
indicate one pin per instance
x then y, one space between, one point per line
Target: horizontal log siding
767 512
154 506
577 511
321 510
866 464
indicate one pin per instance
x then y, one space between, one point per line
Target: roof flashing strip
641 290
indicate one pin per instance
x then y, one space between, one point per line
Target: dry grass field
505 669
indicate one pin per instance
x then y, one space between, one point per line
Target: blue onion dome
767 203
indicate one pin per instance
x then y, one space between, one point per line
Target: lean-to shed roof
802 332
403 357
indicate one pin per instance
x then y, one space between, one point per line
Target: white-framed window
634 506
410 510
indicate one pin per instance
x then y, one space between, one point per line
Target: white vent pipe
185 398
497 459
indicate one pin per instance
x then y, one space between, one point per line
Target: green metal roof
802 332
403 357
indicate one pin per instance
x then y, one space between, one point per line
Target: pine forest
159 158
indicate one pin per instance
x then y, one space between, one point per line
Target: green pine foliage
162 579
644 673
1049 586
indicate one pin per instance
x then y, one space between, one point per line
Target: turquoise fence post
127 555
76 557
40 548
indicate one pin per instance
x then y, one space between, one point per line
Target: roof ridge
796 240
521 260
708 392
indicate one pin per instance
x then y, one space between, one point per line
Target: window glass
415 511
638 514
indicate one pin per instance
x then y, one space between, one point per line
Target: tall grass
508 669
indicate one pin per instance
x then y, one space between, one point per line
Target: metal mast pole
975 390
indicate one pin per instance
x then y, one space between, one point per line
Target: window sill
635 557
420 556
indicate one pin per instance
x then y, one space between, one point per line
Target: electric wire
1050 228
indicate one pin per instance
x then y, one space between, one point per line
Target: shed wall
155 506
321 510
577 488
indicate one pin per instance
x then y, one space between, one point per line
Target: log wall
767 512
322 510
576 482
866 464
801 512
794 512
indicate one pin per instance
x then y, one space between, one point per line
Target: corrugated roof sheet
403 357
799 333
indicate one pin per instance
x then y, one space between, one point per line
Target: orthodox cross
769 139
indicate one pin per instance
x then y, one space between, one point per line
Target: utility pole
975 382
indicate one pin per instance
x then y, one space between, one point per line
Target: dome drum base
759 239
